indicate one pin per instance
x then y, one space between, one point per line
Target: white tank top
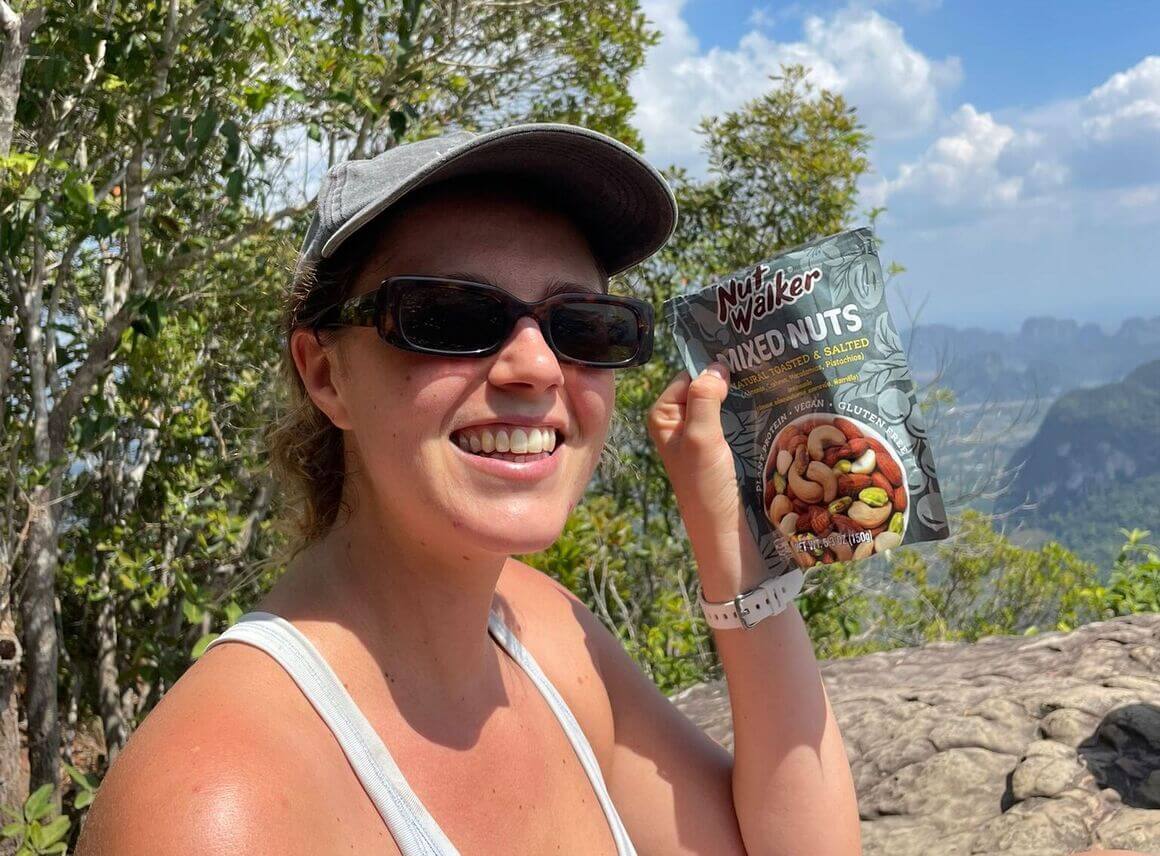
415 832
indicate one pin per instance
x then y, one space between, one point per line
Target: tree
150 164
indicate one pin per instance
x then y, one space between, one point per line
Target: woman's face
403 411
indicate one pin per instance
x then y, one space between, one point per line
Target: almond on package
829 445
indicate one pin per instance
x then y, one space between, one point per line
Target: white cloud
1127 104
1108 139
855 51
997 213
961 171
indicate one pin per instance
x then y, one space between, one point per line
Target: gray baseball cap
624 206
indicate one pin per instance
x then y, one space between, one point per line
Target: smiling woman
408 687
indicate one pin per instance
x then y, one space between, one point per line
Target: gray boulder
1028 746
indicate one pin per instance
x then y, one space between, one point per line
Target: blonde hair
307 450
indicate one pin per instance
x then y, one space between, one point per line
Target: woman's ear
319 366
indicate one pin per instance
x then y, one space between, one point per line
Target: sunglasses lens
596 333
445 317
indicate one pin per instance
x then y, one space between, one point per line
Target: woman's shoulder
210 770
565 638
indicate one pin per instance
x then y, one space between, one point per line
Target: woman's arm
792 789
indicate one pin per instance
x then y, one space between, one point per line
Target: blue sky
1017 145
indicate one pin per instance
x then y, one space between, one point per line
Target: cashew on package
829 445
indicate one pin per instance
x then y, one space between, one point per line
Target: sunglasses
456 318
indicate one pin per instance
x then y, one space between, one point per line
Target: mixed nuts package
829 444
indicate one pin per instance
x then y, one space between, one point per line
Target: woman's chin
507 534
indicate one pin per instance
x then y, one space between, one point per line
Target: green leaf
203 126
54 831
229 130
38 802
234 186
13 830
83 779
193 612
80 193
314 132
84 798
201 644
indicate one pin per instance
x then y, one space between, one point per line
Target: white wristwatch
767 598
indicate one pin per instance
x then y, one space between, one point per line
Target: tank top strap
416 833
511 643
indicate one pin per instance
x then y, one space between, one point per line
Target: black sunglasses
456 318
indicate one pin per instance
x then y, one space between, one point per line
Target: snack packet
829 444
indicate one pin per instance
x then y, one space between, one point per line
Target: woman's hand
685 425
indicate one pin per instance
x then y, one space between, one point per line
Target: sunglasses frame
379 309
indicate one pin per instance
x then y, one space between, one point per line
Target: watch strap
769 597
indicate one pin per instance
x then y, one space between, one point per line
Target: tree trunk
17 30
108 687
37 610
13 788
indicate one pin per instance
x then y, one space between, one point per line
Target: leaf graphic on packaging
866 281
876 375
739 427
822 254
885 339
840 281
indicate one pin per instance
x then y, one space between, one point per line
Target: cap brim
622 203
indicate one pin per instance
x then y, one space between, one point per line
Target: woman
439 430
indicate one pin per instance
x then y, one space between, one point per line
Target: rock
1025 746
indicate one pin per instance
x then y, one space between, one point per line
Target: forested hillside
1094 465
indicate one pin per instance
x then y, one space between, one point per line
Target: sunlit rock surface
1029 746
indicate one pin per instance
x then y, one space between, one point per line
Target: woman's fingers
668 412
703 407
689 409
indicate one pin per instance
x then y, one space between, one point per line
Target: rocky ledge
1027 746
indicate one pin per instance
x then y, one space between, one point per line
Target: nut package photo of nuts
835 490
830 446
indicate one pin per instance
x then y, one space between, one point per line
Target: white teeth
520 441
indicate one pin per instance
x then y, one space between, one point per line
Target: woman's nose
526 359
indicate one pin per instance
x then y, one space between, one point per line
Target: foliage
1134 585
36 828
146 242
985 585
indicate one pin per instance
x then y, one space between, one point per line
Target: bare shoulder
210 770
567 641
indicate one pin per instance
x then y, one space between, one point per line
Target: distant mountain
1094 465
1046 357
